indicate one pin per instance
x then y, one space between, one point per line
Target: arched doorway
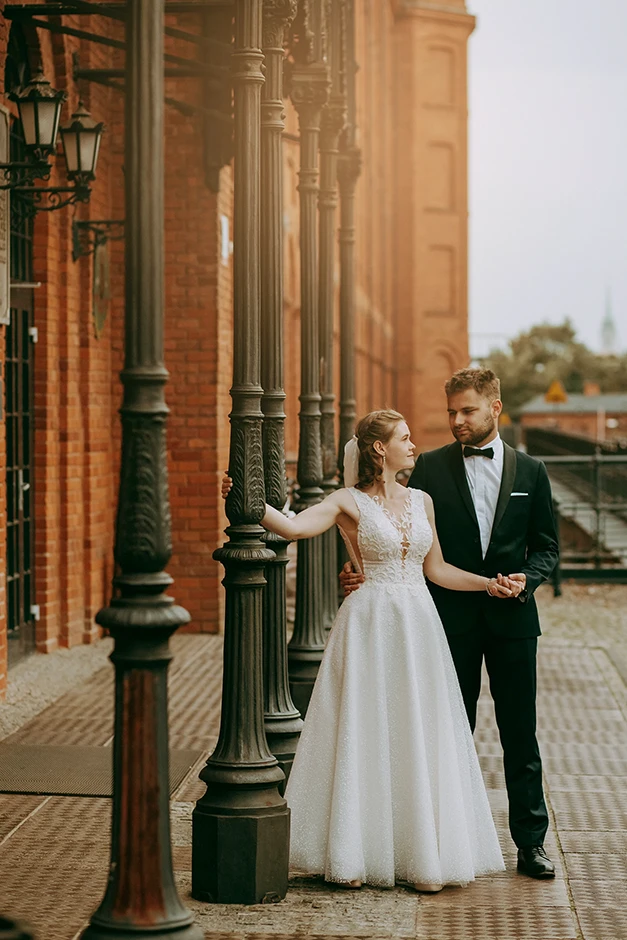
18 400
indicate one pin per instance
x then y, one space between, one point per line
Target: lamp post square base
240 859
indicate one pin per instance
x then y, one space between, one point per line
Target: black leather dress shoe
534 861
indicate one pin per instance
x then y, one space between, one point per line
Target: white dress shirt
484 481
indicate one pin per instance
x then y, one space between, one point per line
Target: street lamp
39 107
81 145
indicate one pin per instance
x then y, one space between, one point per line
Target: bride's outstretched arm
448 576
313 521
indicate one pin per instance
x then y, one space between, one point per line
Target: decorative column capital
310 85
333 117
349 166
277 17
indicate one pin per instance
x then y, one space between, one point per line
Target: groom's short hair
484 381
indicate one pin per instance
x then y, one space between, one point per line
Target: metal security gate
19 434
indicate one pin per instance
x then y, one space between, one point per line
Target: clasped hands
507 586
502 586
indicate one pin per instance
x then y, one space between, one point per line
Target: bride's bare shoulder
428 501
347 503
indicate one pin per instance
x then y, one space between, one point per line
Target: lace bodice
392 549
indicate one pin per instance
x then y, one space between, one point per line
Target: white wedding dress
386 784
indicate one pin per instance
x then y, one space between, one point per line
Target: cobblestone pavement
54 850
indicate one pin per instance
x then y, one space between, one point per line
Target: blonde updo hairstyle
376 426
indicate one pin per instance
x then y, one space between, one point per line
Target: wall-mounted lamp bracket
18 175
89 233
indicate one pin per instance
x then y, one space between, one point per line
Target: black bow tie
477 452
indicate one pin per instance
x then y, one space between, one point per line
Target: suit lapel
456 461
507 483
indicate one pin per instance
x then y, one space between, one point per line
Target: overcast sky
548 166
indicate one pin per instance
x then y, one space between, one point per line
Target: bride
386 785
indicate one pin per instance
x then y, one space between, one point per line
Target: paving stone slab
597 894
586 783
14 809
56 900
583 751
485 923
582 764
502 891
603 922
600 810
594 841
596 866
615 736
598 700
579 719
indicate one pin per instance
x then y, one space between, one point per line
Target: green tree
544 353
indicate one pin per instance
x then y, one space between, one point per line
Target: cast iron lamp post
282 720
333 120
141 899
349 169
309 91
240 828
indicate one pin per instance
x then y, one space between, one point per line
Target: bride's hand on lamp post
226 486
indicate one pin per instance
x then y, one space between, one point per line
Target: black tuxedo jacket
524 538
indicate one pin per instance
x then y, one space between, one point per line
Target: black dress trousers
511 667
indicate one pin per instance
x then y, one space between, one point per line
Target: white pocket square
519 494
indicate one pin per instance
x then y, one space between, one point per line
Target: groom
493 511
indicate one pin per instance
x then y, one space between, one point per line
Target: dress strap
356 494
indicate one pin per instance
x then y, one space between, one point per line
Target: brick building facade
592 415
411 318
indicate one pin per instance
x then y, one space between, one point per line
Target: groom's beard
476 435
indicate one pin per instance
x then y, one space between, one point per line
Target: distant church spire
608 328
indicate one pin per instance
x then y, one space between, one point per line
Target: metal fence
589 480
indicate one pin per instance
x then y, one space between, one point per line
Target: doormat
70 770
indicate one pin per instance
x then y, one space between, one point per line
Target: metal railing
589 479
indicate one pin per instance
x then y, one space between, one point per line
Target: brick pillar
432 208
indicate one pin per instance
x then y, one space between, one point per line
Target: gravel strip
41 679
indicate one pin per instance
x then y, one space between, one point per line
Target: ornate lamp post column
349 169
240 830
333 120
282 720
141 898
309 91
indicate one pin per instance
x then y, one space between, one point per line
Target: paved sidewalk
54 850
